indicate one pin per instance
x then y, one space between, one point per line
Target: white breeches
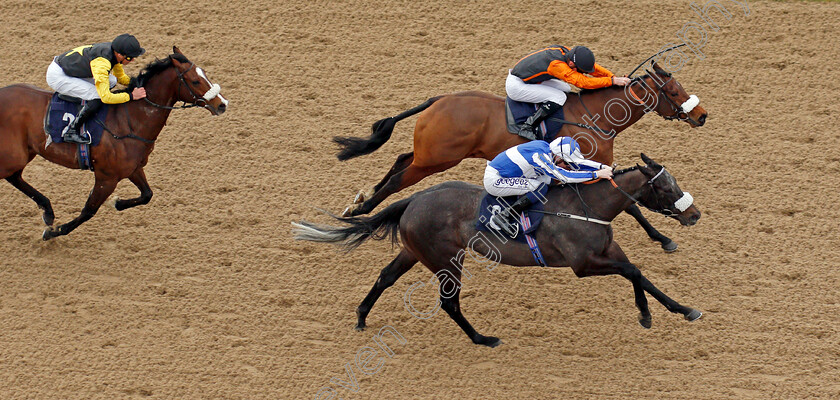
553 90
82 88
499 186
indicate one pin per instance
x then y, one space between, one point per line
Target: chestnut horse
130 132
437 224
472 125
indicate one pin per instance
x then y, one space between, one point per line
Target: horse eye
195 82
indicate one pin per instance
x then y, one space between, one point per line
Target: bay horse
130 133
463 125
436 224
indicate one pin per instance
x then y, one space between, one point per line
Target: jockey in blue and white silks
525 168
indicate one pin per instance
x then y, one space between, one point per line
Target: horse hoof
693 315
48 234
360 327
346 213
360 198
48 219
113 202
488 341
670 247
645 321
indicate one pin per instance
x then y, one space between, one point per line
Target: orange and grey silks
551 63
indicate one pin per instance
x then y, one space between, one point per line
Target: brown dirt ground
203 293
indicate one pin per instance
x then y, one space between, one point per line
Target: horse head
197 88
665 196
670 100
189 84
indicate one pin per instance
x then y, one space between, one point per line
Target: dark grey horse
436 224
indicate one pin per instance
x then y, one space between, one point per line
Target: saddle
516 112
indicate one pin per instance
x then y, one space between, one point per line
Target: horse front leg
138 178
614 261
667 244
102 188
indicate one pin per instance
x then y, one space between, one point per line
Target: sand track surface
203 294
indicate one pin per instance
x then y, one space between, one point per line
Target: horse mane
625 170
153 68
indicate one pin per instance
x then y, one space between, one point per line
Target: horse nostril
702 119
222 107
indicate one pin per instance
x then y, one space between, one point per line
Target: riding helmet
583 58
127 45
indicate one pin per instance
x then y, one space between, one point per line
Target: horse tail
380 226
381 132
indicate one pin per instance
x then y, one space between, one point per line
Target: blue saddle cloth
517 112
491 204
59 114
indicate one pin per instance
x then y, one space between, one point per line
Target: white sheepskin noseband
689 104
215 89
684 202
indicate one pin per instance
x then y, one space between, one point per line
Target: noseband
677 208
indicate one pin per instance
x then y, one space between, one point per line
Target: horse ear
176 50
175 62
646 170
646 159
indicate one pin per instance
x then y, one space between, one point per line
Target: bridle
673 210
680 110
204 99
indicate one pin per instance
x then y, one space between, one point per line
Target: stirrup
504 224
71 136
529 133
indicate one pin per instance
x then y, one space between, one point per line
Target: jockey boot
529 127
507 218
73 134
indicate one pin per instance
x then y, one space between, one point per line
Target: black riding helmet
127 45
583 58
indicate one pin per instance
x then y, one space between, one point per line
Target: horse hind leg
16 179
399 266
403 161
101 190
452 305
399 181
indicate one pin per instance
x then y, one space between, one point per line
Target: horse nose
702 119
222 108
693 219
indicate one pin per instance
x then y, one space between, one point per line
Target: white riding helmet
567 149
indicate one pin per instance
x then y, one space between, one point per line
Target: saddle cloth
491 205
517 112
60 112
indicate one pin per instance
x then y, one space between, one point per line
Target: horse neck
596 102
148 120
606 201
